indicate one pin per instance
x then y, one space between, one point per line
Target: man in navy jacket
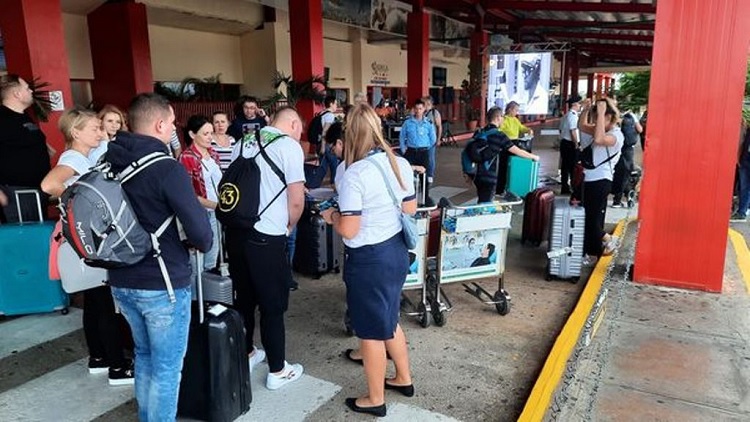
159 322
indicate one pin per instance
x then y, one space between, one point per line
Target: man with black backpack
261 198
479 159
316 133
154 295
631 130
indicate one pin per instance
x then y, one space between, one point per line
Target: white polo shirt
362 192
287 154
568 124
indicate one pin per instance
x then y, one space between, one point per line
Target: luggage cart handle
35 192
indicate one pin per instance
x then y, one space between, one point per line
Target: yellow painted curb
554 367
743 256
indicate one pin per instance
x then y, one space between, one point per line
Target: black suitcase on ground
318 247
215 383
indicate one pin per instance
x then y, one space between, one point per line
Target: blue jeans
744 175
291 243
160 332
331 161
433 160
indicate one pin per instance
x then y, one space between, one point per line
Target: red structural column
599 85
590 85
478 55
575 73
306 35
120 52
684 217
34 45
564 82
417 52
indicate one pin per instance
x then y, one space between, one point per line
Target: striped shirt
225 153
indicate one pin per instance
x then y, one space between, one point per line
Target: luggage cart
473 243
416 277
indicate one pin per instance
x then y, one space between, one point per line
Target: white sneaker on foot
257 357
611 245
291 373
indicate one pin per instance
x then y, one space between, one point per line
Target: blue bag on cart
25 286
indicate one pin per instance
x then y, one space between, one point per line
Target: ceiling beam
641 26
600 36
569 6
614 48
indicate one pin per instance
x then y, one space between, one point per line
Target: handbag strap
387 183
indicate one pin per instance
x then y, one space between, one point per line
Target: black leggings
622 173
595 203
101 327
260 271
568 159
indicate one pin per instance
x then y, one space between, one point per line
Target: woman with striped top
222 143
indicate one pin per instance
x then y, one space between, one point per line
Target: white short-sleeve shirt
211 178
288 156
362 192
568 124
77 161
600 154
327 118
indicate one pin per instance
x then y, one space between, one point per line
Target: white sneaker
257 357
611 245
291 373
589 261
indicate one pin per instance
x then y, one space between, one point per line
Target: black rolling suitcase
215 383
318 246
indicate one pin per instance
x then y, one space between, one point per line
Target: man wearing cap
533 98
569 143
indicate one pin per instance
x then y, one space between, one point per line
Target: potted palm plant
310 89
471 89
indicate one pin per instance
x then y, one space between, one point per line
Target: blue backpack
477 159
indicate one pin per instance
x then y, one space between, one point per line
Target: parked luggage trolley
473 242
417 276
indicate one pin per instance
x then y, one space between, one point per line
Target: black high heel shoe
407 390
379 411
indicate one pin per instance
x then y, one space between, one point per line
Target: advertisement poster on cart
471 255
417 257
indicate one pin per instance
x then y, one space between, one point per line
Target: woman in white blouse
377 259
83 134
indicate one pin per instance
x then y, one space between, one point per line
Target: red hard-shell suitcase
537 210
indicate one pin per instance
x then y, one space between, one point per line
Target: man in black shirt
24 156
249 118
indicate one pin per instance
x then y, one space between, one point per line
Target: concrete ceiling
218 16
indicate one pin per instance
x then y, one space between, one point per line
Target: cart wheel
502 305
438 317
547 275
425 318
64 311
631 203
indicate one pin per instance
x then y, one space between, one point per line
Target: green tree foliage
633 90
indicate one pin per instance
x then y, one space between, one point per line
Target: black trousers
419 157
622 173
502 172
101 327
260 272
595 203
485 191
568 159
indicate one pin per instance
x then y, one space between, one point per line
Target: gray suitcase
565 252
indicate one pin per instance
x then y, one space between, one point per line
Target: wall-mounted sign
57 103
379 74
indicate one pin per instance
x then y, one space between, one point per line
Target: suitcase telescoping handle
421 187
34 192
199 285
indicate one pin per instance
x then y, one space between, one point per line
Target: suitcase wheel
536 243
64 311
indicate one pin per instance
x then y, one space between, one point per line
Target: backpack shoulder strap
274 168
143 163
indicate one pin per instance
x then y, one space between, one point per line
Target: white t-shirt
97 152
600 154
327 118
77 161
287 154
211 177
362 192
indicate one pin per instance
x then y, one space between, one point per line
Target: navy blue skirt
374 276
